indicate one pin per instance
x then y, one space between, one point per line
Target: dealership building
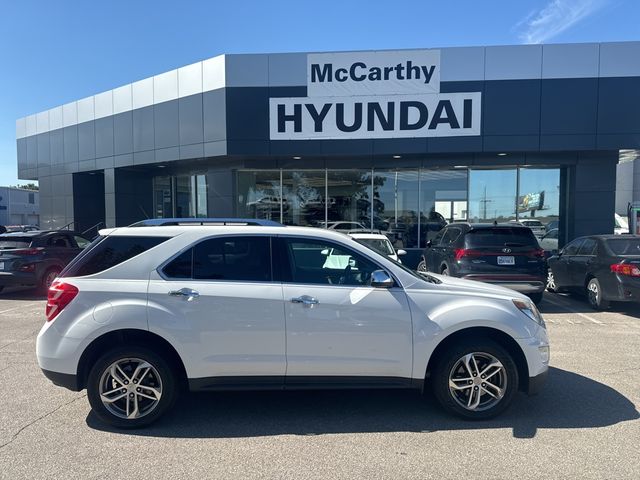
399 141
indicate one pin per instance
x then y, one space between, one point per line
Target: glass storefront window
259 194
395 206
349 199
182 196
539 197
162 197
303 197
492 195
443 199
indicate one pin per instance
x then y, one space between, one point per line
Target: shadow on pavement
566 303
21 293
568 401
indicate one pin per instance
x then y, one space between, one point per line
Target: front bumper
65 380
519 283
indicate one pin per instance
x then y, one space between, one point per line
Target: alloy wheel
551 281
130 388
478 381
50 276
593 293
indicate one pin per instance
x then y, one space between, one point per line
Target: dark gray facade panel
398 146
104 137
88 200
618 141
296 148
215 149
599 205
464 87
166 121
618 105
245 147
569 106
21 153
567 142
143 129
142 158
595 178
86 165
279 92
71 144
516 143
134 200
58 169
43 150
167 154
123 160
247 113
191 121
454 144
44 170
347 147
195 150
104 163
32 152
511 107
361 163
56 145
86 141
123 133
214 105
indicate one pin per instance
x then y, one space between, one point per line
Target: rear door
219 302
563 267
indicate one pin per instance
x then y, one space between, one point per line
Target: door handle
187 293
305 300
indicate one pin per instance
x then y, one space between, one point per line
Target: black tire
444 270
167 382
594 295
450 358
422 266
536 297
47 278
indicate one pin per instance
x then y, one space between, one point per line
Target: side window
588 247
181 266
438 238
450 237
573 247
233 258
325 263
59 241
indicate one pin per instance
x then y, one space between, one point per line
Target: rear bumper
65 380
626 291
519 283
536 383
15 279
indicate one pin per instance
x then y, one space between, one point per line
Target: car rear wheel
48 278
445 271
422 266
131 387
594 295
475 380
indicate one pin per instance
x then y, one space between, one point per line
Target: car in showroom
604 268
147 311
377 242
505 254
36 257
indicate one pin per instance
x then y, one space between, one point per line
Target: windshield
380 245
624 246
500 237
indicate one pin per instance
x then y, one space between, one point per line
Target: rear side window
588 247
224 258
450 237
14 242
500 237
108 252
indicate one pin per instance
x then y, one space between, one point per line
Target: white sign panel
388 116
373 73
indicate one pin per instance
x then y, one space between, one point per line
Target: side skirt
301 383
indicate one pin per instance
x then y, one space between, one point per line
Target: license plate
510 260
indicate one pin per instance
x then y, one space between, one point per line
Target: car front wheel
131 387
475 380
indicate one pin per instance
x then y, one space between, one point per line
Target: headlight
530 310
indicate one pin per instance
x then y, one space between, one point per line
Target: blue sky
55 52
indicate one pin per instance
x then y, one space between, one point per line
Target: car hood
467 287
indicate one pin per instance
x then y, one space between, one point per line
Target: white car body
243 330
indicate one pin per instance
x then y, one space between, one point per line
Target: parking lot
585 424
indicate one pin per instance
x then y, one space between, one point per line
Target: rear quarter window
107 252
624 246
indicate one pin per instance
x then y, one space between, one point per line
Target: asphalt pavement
585 424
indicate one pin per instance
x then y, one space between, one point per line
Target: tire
422 266
536 297
594 295
49 275
551 282
158 380
451 365
444 270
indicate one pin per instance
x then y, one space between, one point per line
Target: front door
340 329
563 267
218 303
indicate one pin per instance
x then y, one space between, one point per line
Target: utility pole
484 202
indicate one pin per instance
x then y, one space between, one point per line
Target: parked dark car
36 258
504 254
604 267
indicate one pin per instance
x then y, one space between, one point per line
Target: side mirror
429 243
401 252
380 278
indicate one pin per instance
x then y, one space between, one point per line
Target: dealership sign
391 94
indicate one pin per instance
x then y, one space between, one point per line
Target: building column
109 197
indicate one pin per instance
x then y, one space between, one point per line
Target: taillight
537 253
465 252
59 296
27 251
627 269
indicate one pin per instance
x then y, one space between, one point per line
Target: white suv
147 311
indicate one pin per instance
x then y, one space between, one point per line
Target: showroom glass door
181 196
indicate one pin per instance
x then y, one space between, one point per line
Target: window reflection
539 196
395 211
492 195
349 199
303 194
259 194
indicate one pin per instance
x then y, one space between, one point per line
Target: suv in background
36 258
503 254
145 311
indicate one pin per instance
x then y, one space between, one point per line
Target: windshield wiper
429 278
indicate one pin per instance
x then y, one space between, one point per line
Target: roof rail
162 222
